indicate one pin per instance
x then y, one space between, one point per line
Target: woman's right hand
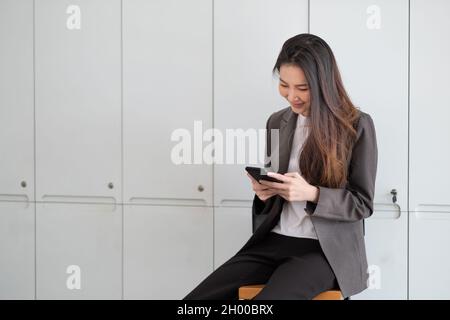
263 192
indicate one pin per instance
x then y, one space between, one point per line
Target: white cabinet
386 241
232 229
16 101
167 101
168 250
167 91
248 36
370 42
429 258
17 272
17 268
78 100
78 251
430 152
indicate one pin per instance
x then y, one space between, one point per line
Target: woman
312 239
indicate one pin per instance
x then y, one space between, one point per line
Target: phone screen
260 174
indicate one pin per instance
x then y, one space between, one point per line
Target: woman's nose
291 97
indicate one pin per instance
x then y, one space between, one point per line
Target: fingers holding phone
263 192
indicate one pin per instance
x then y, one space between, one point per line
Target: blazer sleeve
259 206
355 201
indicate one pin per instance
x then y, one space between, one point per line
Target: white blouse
294 221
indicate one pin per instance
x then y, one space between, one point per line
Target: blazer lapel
287 129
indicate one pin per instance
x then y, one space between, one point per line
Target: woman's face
294 87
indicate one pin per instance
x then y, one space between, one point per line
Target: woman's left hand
293 187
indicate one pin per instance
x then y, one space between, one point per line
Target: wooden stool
249 292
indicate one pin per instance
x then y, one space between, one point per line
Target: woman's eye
284 86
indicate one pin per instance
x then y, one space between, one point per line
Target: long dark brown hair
333 117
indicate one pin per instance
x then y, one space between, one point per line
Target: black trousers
292 269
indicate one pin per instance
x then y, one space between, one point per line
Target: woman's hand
293 187
263 192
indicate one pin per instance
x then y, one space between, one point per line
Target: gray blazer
339 213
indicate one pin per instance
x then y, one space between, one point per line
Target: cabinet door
78 100
167 70
79 251
370 43
386 238
429 257
16 101
17 272
232 229
430 151
248 36
168 250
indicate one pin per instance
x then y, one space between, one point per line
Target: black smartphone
260 174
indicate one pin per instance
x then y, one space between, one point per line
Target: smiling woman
310 81
312 238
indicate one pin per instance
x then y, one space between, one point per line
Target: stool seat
250 291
